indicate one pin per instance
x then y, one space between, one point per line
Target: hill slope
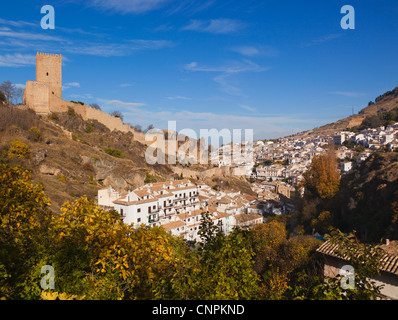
72 157
383 103
368 199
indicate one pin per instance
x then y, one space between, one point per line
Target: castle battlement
49 54
45 95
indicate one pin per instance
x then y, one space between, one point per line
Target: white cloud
128 6
121 103
351 94
81 96
261 50
248 108
28 36
125 85
322 39
246 51
178 98
20 85
235 67
17 60
71 85
218 26
19 23
225 72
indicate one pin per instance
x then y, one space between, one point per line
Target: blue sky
277 67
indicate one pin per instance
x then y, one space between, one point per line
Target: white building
106 197
175 206
155 201
346 166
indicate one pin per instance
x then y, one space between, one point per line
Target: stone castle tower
47 89
45 96
49 71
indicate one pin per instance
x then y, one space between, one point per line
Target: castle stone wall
36 96
45 96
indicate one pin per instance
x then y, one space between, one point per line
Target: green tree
24 221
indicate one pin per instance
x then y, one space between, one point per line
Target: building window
139 220
154 207
121 211
139 210
47 74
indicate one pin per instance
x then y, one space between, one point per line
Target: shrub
71 112
61 177
149 178
54 116
35 134
114 152
89 127
18 149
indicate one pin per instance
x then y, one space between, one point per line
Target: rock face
369 198
45 169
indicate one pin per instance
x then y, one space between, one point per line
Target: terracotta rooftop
389 260
173 225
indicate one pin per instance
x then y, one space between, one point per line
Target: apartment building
177 206
154 201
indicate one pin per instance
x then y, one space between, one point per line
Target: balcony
153 220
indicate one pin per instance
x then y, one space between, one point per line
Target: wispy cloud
70 85
20 85
190 7
125 85
252 51
350 94
322 39
248 108
23 35
223 79
247 51
235 67
18 23
28 36
178 98
116 49
128 6
119 103
17 60
218 26
81 96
